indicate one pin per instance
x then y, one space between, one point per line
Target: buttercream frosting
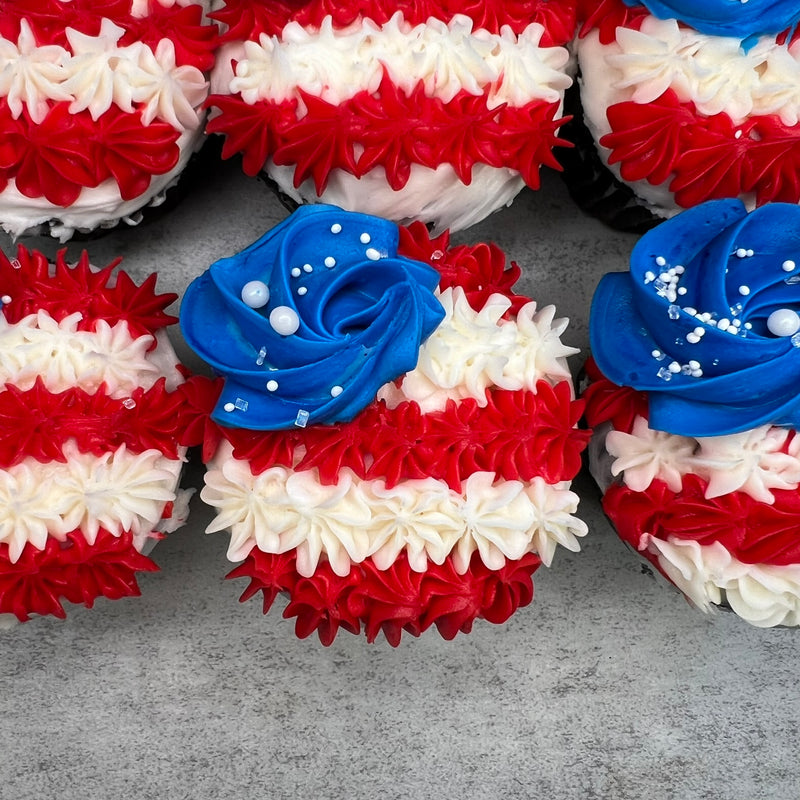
280 509
738 18
360 313
453 483
691 316
683 115
115 120
429 107
94 413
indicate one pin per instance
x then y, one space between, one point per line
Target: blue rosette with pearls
706 321
307 323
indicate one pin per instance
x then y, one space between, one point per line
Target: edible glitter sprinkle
302 418
240 404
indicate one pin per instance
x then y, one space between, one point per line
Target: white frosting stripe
117 491
64 356
753 462
765 595
446 57
282 509
473 350
714 72
98 73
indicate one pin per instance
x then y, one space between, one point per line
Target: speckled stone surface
607 686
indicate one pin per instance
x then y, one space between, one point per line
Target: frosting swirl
307 323
727 17
707 319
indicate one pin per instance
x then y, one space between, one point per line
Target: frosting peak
311 320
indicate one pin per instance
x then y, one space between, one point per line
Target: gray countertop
607 686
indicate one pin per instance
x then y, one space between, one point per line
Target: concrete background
607 686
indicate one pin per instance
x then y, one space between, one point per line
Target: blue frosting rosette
740 20
706 321
307 323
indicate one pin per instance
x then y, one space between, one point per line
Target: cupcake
412 111
95 417
101 107
395 431
688 102
695 409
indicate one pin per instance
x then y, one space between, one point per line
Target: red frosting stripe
66 152
248 19
391 129
72 571
752 531
60 290
391 601
517 435
194 40
707 157
37 423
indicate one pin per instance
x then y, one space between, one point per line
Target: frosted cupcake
95 418
695 408
101 107
396 427
412 111
691 101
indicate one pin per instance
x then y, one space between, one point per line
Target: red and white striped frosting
435 111
683 117
101 106
436 504
717 516
95 418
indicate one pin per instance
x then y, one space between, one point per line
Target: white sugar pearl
372 254
296 272
365 238
308 268
336 391
284 320
229 407
6 299
336 228
272 386
255 294
788 265
302 290
783 322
